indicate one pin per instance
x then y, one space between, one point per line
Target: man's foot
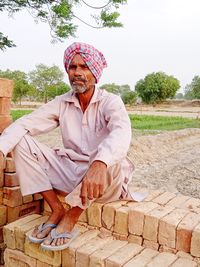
54 219
66 225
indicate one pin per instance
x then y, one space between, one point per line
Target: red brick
12 196
5 121
5 105
10 165
6 87
1 234
1 178
1 196
11 179
3 215
23 210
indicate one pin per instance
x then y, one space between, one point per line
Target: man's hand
95 182
2 161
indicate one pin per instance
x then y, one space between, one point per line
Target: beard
79 88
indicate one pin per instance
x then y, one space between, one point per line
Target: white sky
157 36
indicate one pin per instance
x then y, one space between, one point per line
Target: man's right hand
2 161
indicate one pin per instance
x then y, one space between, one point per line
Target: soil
169 160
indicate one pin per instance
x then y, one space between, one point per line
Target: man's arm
111 150
40 121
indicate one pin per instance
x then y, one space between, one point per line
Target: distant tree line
44 83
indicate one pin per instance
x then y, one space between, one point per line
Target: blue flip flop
41 228
70 235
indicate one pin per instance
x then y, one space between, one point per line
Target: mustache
77 79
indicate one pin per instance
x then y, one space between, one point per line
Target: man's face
80 76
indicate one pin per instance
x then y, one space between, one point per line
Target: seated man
92 166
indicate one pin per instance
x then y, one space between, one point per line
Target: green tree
192 90
60 14
156 87
58 89
111 87
44 78
21 85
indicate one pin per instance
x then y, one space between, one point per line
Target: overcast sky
158 35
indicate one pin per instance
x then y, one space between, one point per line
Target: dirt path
169 161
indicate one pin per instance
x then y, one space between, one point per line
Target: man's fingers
96 191
101 190
83 193
90 188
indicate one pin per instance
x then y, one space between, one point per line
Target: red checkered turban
91 56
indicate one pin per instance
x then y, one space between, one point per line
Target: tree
156 87
192 90
58 89
60 14
21 85
111 87
44 78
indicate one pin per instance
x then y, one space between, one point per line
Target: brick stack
163 230
12 205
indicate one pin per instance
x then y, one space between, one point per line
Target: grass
144 122
161 123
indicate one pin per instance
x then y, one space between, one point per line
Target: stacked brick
163 230
12 205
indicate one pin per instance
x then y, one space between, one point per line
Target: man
92 166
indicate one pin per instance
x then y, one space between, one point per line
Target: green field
144 122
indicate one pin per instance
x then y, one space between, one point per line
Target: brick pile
12 205
163 230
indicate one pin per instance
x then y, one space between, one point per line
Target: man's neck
84 98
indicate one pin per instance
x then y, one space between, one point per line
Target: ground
168 160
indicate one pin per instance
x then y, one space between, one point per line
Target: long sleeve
115 146
40 121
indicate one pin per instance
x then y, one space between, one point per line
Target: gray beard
79 89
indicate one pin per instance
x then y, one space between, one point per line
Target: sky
158 35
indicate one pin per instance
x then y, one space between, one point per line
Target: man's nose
78 71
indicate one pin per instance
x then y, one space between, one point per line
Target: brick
142 259
178 201
3 215
2 249
137 215
163 259
69 255
1 196
135 239
83 217
184 231
195 242
50 257
5 121
23 210
10 165
12 196
121 221
120 237
5 105
47 207
167 227
83 253
151 222
1 177
37 196
153 194
164 198
185 255
98 257
184 263
94 214
42 264
167 249
27 199
108 214
150 244
19 259
22 230
11 179
192 204
123 255
9 230
6 87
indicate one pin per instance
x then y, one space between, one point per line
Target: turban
91 56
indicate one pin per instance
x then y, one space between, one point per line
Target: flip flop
41 228
70 235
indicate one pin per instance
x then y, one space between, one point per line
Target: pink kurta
102 132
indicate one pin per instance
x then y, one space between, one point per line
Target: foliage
58 89
146 122
156 87
179 96
21 86
45 78
16 114
60 14
128 96
192 90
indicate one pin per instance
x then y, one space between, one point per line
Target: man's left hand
94 182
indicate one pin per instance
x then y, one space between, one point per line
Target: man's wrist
99 163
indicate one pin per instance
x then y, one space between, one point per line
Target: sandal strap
44 226
54 235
